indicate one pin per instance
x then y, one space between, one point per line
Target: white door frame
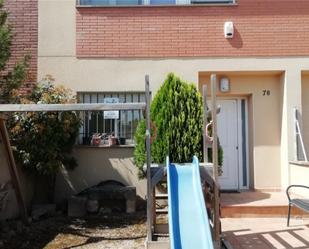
241 151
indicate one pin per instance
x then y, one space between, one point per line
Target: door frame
243 150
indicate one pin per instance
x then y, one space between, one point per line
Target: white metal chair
301 203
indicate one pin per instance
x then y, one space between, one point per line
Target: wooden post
13 170
213 79
154 215
205 144
148 162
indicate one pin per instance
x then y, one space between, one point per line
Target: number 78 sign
265 92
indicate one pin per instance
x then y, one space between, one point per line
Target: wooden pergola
9 108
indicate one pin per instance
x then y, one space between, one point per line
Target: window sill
79 6
106 146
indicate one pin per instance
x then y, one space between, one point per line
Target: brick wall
24 20
262 28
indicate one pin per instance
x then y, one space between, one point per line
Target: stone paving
266 233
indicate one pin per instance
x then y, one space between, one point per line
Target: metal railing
132 3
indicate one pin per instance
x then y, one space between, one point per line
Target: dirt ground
119 231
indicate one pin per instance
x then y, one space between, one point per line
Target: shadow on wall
236 41
96 165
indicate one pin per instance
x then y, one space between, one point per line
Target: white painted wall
95 165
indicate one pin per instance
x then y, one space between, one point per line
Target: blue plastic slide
188 220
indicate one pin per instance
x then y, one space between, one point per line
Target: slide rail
189 226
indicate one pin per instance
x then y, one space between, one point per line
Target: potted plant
112 140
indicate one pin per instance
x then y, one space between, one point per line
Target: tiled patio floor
266 233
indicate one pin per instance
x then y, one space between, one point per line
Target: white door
228 136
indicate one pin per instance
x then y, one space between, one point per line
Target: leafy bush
43 140
140 147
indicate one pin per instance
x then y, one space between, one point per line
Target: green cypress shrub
177 113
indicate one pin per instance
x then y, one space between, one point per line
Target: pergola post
213 79
148 162
13 169
205 121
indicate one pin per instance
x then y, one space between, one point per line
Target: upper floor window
149 2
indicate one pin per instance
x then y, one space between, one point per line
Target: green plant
177 113
10 79
43 140
140 147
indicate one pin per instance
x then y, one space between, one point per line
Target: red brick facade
23 16
262 28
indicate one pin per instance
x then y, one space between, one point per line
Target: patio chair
301 203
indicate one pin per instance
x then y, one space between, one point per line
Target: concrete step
241 211
253 204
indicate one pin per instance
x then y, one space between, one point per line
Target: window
111 2
121 124
150 2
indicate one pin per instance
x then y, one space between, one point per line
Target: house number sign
265 92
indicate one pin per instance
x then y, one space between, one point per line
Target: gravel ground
115 231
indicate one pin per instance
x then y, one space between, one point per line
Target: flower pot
112 141
96 139
122 140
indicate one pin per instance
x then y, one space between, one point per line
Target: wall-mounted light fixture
224 85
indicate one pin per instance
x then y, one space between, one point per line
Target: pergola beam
70 107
